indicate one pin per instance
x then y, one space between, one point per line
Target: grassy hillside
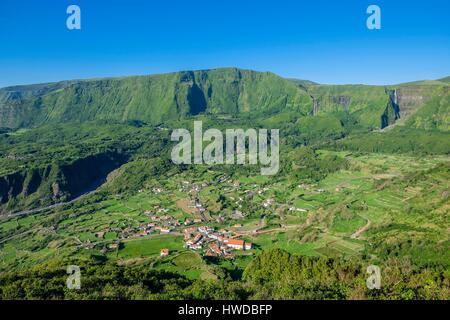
151 99
446 79
55 163
364 179
369 104
229 92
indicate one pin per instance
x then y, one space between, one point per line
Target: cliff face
392 112
151 99
365 103
410 99
378 107
335 102
157 98
419 106
56 182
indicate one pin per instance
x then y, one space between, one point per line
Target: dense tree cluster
274 274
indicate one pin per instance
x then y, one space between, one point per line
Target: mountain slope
151 99
416 105
446 79
157 98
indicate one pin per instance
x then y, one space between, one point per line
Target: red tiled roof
236 242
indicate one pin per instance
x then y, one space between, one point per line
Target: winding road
37 210
358 233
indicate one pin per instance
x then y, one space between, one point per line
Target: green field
150 247
356 186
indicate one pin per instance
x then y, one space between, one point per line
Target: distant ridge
155 99
304 82
152 99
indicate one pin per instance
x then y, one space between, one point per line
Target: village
197 236
201 238
215 243
196 228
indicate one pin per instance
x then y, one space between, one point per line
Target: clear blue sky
321 40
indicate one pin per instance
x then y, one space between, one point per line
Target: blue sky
324 41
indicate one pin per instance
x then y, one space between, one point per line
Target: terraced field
378 198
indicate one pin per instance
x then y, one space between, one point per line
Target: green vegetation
94 158
150 247
274 274
150 99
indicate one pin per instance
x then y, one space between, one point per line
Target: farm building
235 244
164 252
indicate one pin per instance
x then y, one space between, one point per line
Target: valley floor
379 200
